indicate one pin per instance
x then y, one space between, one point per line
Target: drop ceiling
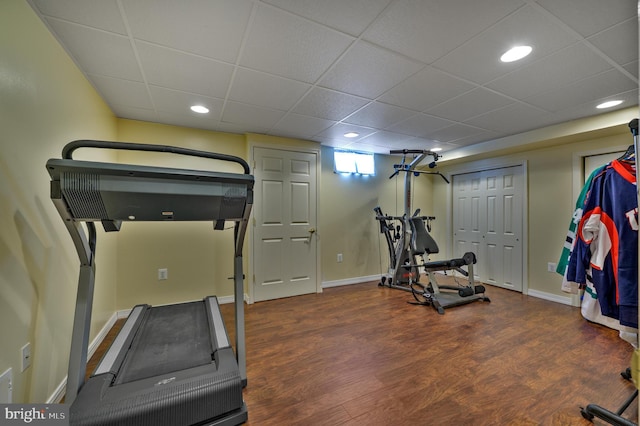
401 73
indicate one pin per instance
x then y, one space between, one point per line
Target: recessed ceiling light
351 135
200 109
516 53
436 149
609 104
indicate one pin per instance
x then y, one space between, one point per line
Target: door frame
491 165
252 164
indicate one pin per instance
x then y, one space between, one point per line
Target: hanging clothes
607 242
563 262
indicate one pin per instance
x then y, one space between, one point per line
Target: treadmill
171 364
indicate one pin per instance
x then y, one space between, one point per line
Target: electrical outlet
551 267
6 387
163 274
339 257
26 356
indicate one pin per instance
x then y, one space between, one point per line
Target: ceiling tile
102 14
210 28
296 125
334 143
368 71
591 89
251 115
470 104
479 59
258 88
285 45
379 115
351 17
620 42
420 125
116 91
550 73
589 17
402 70
384 138
481 136
632 68
116 58
337 132
453 133
587 109
425 89
328 104
508 120
415 28
181 71
196 121
179 103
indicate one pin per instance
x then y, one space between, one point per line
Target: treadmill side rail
114 356
218 331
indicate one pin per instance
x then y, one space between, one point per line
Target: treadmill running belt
172 338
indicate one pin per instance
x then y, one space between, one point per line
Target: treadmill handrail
67 151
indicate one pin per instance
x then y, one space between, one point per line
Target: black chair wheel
586 414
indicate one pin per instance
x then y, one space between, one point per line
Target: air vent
82 193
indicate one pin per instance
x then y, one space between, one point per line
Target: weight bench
441 296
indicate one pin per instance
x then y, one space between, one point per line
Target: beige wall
347 219
45 102
199 260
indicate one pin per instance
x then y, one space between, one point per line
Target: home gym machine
410 245
170 364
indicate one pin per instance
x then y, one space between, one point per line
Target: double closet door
488 220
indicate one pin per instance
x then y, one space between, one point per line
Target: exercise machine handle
414 151
67 151
633 126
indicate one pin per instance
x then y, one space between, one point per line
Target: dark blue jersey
608 242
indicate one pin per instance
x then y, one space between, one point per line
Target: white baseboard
60 391
348 281
57 394
565 300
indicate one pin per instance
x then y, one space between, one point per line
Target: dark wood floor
361 355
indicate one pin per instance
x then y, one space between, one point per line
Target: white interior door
503 197
488 220
285 218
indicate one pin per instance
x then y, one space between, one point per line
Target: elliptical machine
410 244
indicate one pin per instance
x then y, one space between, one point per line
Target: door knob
311 232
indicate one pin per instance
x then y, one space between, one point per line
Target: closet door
467 232
488 220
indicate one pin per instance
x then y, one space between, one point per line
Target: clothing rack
594 410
